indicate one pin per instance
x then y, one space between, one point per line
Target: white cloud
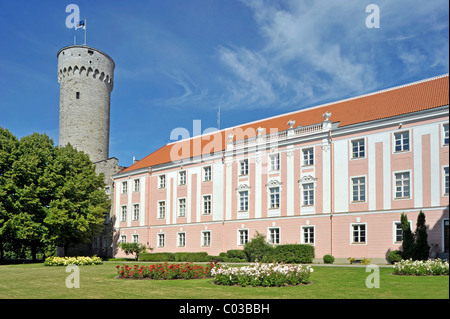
318 50
300 55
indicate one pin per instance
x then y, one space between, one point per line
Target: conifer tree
421 247
408 238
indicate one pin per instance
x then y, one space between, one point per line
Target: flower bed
165 271
421 268
266 275
80 261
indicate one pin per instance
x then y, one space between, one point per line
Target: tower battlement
84 60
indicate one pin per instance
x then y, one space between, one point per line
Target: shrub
257 249
156 257
179 257
366 261
191 257
80 261
328 259
267 275
165 271
293 254
395 256
236 254
421 268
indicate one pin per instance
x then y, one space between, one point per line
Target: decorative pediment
243 187
273 183
307 179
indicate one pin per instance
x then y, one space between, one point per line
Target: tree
8 155
408 238
30 197
77 212
421 248
133 248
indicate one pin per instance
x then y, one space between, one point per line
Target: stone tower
86 77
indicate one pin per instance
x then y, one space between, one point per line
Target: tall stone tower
86 77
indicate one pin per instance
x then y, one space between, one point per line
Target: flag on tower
81 25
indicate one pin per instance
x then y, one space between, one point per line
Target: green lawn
37 281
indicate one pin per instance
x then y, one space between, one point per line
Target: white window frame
395 185
123 239
352 237
272 200
164 209
356 143
402 145
207 177
308 189
123 213
274 161
125 187
135 238
206 239
204 202
394 230
182 178
303 233
243 167
161 240
136 185
352 194
242 240
308 156
136 215
181 239
444 134
162 181
274 235
243 196
444 192
182 205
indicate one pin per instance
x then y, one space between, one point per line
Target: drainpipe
331 190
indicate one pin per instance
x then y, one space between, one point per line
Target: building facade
336 176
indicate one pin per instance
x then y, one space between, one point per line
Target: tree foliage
421 247
415 245
49 196
408 238
133 248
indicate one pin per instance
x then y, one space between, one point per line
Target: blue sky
178 60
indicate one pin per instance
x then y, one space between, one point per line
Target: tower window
77 95
90 52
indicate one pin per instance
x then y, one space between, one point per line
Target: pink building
336 176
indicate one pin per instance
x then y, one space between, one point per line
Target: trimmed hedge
288 254
293 254
180 257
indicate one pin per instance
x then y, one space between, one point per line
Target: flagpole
85 27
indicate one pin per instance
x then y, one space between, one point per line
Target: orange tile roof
400 100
